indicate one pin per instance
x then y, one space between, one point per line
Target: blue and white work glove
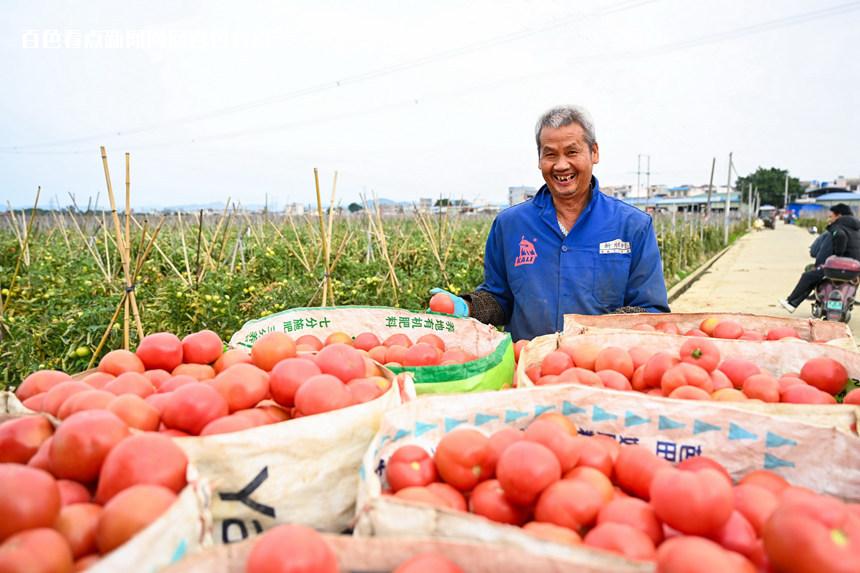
460 307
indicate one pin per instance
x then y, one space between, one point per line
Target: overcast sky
414 99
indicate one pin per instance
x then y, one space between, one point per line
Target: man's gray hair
565 115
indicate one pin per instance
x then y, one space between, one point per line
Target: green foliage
770 184
62 302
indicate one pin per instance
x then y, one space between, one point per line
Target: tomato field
218 270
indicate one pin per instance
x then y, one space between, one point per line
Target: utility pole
638 174
749 204
710 188
648 180
728 204
647 177
785 199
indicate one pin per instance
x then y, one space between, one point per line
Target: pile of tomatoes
192 387
70 496
299 549
721 328
696 372
591 491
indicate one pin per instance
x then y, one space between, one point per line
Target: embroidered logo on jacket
615 247
527 254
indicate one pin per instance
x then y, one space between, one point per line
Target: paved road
760 268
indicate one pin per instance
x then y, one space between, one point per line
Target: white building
520 193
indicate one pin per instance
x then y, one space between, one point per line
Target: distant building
425 204
296 209
520 194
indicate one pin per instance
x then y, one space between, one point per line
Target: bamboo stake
329 234
125 314
4 305
164 256
89 247
300 245
184 245
106 245
199 237
322 234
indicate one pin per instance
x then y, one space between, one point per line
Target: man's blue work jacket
609 259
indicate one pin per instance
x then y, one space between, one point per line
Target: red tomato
813 535
342 361
78 524
696 555
555 363
395 354
685 374
805 394
489 500
135 412
86 400
98 380
499 441
689 393
202 347
432 340
242 386
190 407
728 329
695 332
762 387
569 503
366 341
291 549
635 469
39 550
824 373
85 563
622 539
525 469
231 423
595 478
737 535
420 494
702 353
29 498
397 340
594 454
72 492
698 463
308 342
738 370
160 350
21 438
452 498
41 459
364 390
271 349
552 532
175 382
781 332
421 354
441 302
667 327
82 442
720 381
656 366
518 348
635 513
322 393
130 383
852 397
766 479
118 361
463 458
40 381
584 354
613 358
614 380
231 357
756 504
58 394
707 325
410 466
640 356
196 371
643 327
157 377
129 512
696 503
146 458
557 439
428 562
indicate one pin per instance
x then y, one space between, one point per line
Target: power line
349 80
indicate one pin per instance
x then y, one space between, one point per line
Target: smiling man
570 249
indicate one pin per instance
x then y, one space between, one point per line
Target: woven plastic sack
810 330
492 371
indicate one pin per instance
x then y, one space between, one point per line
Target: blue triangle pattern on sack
598 414
668 424
776 441
700 427
481 419
400 435
631 419
541 409
514 415
567 409
451 423
772 462
738 433
422 428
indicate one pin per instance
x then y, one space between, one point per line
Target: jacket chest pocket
610 279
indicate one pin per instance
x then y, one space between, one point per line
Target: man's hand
460 308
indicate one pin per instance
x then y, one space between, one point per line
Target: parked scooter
833 298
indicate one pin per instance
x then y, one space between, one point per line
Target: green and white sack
492 371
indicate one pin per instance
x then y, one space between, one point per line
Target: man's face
566 160
831 217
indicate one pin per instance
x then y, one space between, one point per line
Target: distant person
569 249
840 238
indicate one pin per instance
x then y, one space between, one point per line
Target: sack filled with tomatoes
443 353
519 470
249 421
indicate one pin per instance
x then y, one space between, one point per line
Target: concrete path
760 268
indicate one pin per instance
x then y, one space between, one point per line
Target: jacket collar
543 202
